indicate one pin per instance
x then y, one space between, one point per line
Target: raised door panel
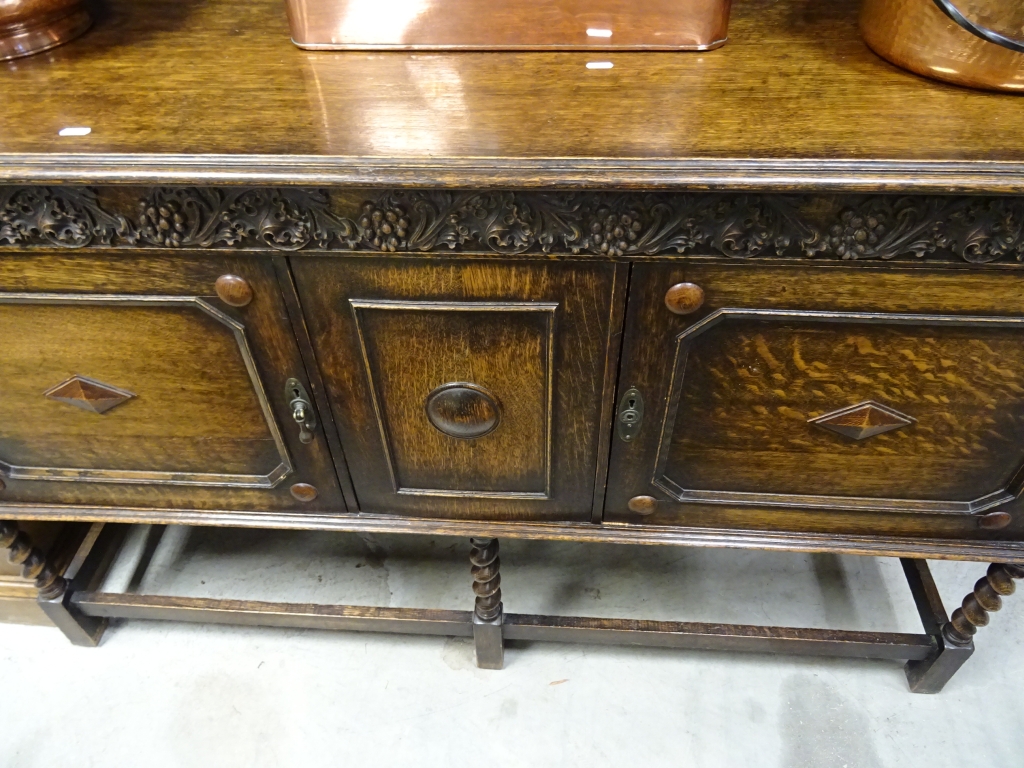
826 399
126 385
466 390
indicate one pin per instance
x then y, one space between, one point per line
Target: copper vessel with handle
976 43
509 24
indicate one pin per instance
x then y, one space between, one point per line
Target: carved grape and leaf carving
69 218
285 220
976 229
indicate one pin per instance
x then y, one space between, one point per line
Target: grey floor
161 694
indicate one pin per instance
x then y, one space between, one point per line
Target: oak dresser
769 296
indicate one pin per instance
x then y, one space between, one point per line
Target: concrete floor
160 694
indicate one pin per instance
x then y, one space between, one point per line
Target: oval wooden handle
643 505
304 492
994 521
233 290
684 298
463 411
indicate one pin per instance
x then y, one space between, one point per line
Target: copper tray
609 25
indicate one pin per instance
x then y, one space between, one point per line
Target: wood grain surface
388 333
795 98
196 416
734 414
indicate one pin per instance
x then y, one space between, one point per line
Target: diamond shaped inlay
863 420
88 394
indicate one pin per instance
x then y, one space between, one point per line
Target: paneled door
470 389
822 398
155 382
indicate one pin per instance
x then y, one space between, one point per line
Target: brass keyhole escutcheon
233 290
684 298
301 408
631 415
462 410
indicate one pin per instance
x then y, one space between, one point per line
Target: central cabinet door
468 389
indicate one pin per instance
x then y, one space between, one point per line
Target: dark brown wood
389 333
88 564
34 565
834 390
848 378
995 521
862 543
330 433
930 675
304 492
488 614
985 599
719 637
234 290
265 614
320 123
194 411
51 585
643 505
684 298
463 410
850 229
18 594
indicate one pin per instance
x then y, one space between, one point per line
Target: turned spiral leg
985 599
487 614
33 562
54 590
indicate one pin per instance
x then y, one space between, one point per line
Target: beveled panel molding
509 308
661 480
616 225
92 475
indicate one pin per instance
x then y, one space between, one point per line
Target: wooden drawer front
138 390
464 390
777 393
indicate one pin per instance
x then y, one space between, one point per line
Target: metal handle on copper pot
947 7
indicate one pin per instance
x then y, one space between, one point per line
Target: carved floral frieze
974 229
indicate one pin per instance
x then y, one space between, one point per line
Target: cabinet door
128 382
831 398
469 389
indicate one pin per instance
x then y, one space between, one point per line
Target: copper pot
977 43
31 26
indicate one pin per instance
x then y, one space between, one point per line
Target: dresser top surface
213 90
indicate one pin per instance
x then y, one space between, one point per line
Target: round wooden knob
684 298
643 505
304 492
233 290
464 411
993 521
